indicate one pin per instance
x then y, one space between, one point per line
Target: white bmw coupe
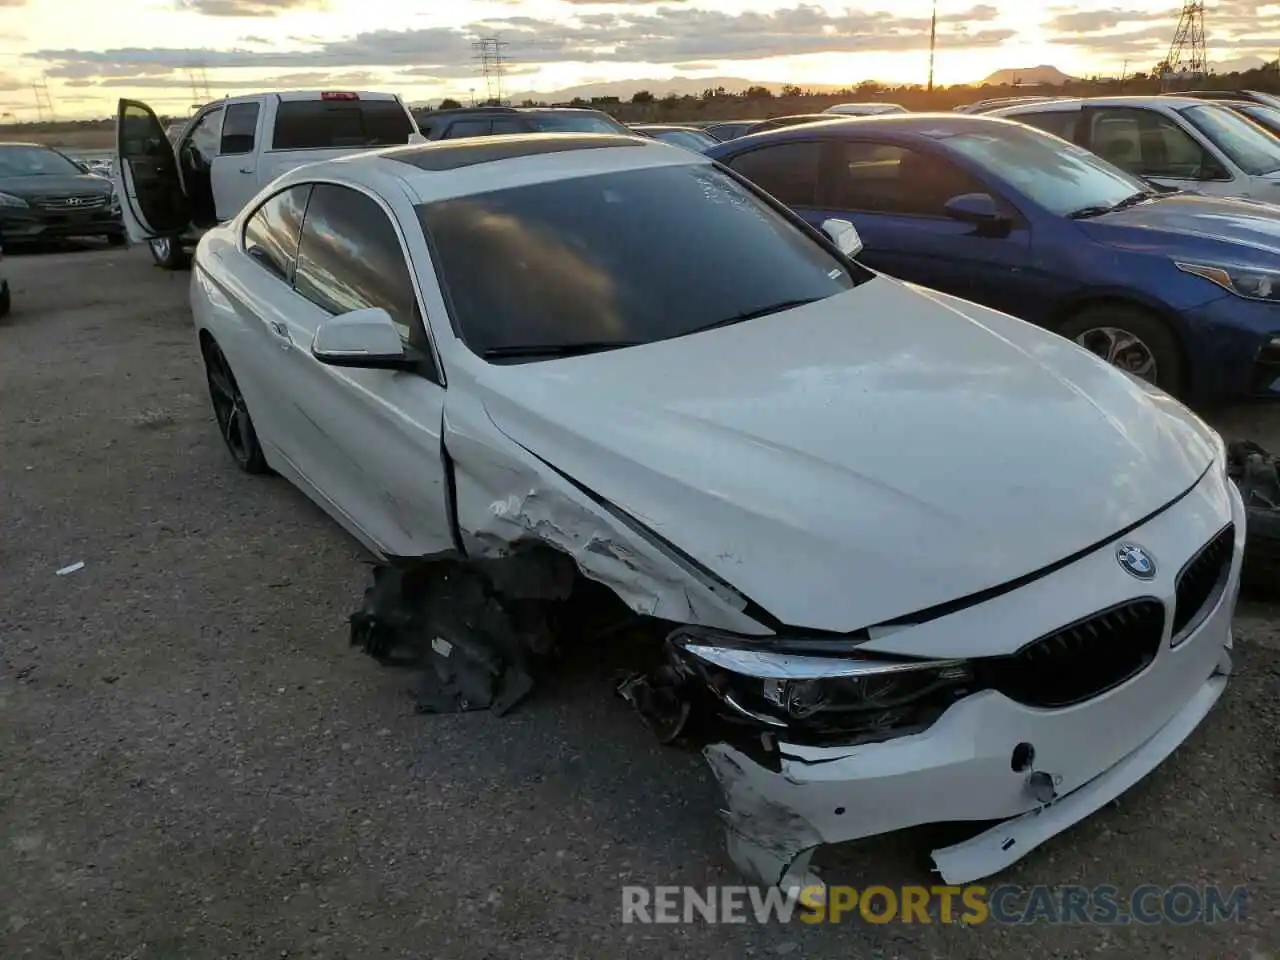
923 561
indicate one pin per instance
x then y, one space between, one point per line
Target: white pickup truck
174 190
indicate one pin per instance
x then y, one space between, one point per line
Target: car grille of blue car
1202 580
1083 660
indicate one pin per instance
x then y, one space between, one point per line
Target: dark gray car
45 195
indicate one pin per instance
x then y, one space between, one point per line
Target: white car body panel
959 769
909 452
868 529
1238 184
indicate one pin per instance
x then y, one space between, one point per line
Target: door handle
279 328
246 170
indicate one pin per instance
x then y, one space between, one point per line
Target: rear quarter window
333 124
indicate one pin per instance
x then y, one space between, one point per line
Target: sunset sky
93 51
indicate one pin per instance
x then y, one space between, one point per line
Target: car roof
899 125
665 126
491 109
1156 101
459 168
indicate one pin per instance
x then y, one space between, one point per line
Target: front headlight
851 695
1252 283
9 200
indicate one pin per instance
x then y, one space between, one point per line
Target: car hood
1251 227
54 186
861 458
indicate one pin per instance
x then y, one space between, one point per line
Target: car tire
1151 345
168 253
231 413
116 239
5 302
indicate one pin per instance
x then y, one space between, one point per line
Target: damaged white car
894 558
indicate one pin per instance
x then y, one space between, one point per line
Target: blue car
1179 289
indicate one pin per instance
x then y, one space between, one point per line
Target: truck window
333 124
238 128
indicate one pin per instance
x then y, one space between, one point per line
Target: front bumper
962 769
1236 347
34 224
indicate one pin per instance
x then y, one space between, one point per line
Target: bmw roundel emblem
1135 561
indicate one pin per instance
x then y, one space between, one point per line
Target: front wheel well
1119 303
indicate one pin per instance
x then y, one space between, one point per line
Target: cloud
13 3
246 8
1233 27
661 35
288 81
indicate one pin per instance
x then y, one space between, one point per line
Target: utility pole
933 42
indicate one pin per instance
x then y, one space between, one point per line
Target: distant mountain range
1040 76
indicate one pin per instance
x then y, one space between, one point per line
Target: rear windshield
577 123
620 259
330 124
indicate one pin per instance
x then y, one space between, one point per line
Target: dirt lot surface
193 762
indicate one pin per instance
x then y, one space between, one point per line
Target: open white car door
146 175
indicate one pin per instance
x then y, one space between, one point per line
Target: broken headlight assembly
848 697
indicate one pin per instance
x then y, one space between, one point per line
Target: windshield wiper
1098 210
554 350
760 312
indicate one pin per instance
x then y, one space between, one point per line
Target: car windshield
578 123
619 259
1057 175
24 161
1254 151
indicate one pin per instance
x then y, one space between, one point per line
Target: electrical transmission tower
1187 56
490 54
44 102
199 85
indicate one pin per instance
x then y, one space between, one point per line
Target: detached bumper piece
472 649
1257 473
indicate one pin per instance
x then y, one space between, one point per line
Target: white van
174 190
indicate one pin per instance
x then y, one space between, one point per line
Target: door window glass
350 258
788 171
271 234
508 126
468 128
1149 144
239 128
201 143
883 178
1061 123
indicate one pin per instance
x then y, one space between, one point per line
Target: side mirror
979 208
365 338
844 235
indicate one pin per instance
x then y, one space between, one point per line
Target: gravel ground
193 762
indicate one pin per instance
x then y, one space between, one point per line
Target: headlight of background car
9 200
1252 283
847 696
